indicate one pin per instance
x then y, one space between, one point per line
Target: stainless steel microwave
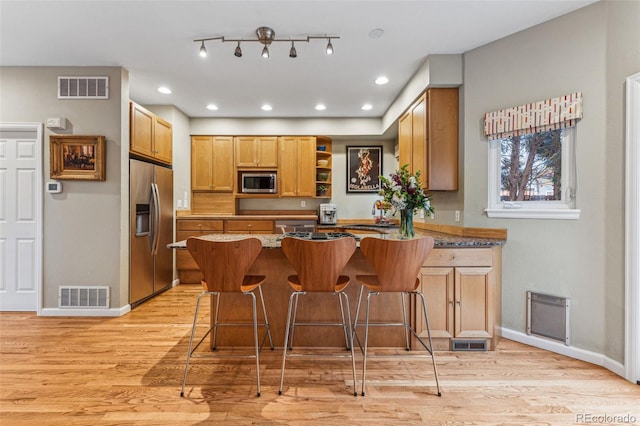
259 183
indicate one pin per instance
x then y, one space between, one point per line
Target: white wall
82 225
590 50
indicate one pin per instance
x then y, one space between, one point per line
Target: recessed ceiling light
165 90
212 107
367 107
381 80
320 107
376 33
266 107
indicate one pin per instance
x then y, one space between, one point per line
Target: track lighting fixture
266 36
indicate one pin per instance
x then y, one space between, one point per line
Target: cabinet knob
458 302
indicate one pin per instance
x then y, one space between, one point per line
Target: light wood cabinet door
162 140
471 305
223 170
405 139
438 288
251 151
297 166
211 163
141 135
442 139
201 163
149 135
428 138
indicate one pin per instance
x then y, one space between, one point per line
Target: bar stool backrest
318 263
397 262
224 264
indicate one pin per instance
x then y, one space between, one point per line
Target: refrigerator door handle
156 220
153 218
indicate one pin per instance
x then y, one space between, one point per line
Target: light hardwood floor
128 370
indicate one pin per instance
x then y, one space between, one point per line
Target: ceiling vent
83 87
84 297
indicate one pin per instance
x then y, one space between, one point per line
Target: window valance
550 114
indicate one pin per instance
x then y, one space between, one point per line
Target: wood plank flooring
128 370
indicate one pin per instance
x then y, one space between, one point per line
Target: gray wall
82 225
591 50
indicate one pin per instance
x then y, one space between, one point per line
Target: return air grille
548 316
83 87
83 297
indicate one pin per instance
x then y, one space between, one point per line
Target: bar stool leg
286 339
349 340
344 324
255 336
405 326
266 321
215 321
366 342
433 357
193 332
355 320
293 322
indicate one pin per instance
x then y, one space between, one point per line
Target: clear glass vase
406 224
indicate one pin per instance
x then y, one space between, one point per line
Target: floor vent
83 297
548 316
469 345
83 87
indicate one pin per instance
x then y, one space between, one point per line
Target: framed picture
77 157
364 167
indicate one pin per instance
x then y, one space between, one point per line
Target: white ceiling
153 40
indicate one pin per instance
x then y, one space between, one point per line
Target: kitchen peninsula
461 280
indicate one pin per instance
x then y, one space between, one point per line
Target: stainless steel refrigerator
151 224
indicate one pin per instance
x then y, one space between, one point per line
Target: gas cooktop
318 235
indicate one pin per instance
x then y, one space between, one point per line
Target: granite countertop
441 240
251 217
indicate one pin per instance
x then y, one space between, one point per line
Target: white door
20 216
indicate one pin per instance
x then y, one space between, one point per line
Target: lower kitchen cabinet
462 292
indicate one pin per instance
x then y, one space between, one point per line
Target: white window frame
562 209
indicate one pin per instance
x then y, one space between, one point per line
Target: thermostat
54 187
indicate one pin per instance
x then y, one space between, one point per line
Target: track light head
238 51
292 51
265 52
203 50
329 47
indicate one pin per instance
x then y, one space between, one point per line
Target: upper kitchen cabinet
428 138
211 164
150 136
297 166
256 151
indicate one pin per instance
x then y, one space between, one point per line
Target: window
533 175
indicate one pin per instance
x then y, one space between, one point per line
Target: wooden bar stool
224 265
397 265
318 265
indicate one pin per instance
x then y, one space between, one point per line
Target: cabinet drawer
199 225
459 257
183 257
249 225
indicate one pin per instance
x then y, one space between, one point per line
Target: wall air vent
548 316
83 297
83 87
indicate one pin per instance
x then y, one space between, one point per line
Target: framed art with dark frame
364 167
77 157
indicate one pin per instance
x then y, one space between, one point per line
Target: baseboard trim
175 282
58 312
562 349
